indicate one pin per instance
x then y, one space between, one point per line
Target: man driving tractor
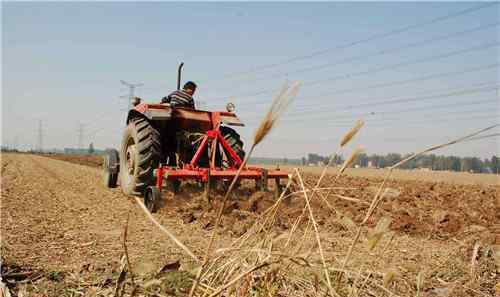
182 98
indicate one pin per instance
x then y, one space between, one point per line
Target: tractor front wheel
152 197
110 168
140 155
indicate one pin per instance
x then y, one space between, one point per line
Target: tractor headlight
230 107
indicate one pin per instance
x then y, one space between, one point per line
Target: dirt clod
188 218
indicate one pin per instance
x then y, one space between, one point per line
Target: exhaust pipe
179 74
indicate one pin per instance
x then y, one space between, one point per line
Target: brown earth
62 227
435 209
88 160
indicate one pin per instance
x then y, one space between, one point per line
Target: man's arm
168 98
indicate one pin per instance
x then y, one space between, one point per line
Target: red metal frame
196 172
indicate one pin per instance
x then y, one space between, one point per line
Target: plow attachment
210 174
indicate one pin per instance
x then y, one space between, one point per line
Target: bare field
464 178
62 230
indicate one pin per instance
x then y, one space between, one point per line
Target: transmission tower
131 93
80 132
40 136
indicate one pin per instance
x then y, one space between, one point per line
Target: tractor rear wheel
234 140
140 155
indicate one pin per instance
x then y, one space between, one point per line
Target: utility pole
80 132
131 93
40 136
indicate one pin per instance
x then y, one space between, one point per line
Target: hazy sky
417 73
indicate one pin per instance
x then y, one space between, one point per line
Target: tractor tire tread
234 140
149 153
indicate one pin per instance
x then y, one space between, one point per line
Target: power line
427 119
404 123
391 100
392 50
484 136
436 121
397 82
375 70
131 93
422 78
334 118
424 42
405 100
377 113
360 41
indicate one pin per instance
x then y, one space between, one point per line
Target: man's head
189 87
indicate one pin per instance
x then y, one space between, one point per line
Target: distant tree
465 164
408 164
362 160
91 148
315 158
378 161
454 163
392 159
304 161
477 165
495 164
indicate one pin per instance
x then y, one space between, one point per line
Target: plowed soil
60 223
435 209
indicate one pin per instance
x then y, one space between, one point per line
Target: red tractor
163 145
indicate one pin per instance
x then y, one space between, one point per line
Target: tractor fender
149 112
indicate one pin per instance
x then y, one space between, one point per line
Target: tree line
431 162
